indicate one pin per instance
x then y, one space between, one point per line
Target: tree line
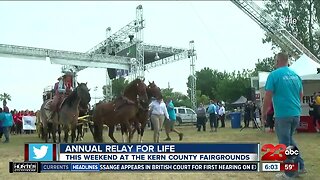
210 84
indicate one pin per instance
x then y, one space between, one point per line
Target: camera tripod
255 123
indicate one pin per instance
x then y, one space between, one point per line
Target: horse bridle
140 106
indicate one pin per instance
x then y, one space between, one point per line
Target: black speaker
112 73
251 94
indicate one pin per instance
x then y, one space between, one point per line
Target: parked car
185 115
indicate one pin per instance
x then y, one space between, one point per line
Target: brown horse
67 115
140 121
137 122
120 110
153 92
69 111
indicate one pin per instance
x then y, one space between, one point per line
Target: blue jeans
6 132
285 127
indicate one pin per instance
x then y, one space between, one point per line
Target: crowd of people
11 122
163 115
216 111
314 113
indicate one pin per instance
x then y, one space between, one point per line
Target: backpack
201 112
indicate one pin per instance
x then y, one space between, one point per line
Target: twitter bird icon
40 152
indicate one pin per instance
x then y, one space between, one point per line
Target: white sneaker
317 130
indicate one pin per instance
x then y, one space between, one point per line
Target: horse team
131 111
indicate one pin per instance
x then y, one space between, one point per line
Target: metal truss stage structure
124 50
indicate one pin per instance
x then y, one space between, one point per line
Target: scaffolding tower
139 71
192 56
274 29
110 54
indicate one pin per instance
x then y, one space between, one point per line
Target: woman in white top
158 114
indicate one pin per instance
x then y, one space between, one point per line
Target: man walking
284 89
169 123
7 122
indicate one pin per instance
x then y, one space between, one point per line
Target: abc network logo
279 152
40 152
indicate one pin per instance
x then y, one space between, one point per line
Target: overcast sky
225 39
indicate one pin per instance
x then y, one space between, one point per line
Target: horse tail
97 129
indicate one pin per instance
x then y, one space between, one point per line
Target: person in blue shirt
7 121
284 88
213 116
169 123
217 111
1 117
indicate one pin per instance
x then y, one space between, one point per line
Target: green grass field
308 144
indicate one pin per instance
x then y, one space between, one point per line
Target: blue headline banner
160 148
113 167
88 167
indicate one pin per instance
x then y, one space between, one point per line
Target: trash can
235 120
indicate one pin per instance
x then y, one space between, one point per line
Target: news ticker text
159 157
44 167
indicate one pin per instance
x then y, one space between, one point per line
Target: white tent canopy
305 66
311 77
263 76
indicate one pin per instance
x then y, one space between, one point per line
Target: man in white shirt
222 114
158 114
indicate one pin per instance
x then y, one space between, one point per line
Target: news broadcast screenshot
159 89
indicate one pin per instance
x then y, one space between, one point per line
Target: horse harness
121 101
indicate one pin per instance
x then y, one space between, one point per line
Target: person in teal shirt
1 117
213 116
7 122
169 123
284 89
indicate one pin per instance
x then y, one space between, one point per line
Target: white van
185 115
